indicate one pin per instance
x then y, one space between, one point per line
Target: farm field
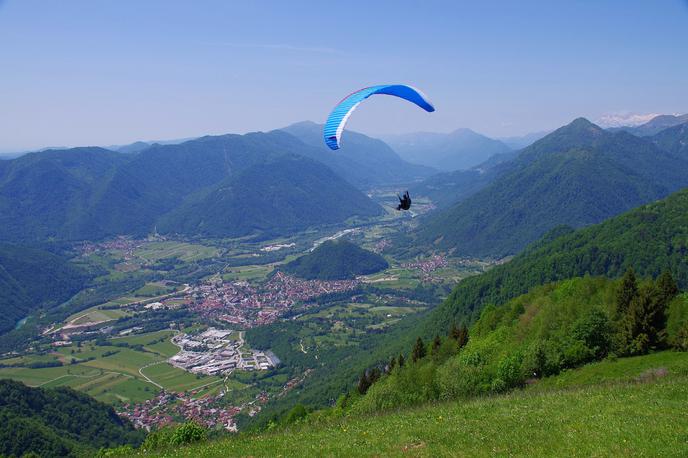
110 373
184 251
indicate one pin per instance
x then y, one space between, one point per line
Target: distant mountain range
458 150
654 126
90 193
363 161
578 175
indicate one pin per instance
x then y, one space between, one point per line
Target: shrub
188 433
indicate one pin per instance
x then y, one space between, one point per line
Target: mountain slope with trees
578 175
649 239
283 196
92 193
336 260
58 422
30 279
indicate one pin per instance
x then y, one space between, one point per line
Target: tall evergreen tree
462 336
418 350
401 360
628 290
363 383
668 289
392 364
454 332
436 343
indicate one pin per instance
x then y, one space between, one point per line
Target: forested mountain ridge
286 195
578 175
91 193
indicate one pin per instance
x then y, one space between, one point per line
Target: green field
615 419
154 289
110 373
247 273
181 250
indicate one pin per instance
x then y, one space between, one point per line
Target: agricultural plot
175 379
247 273
183 251
111 373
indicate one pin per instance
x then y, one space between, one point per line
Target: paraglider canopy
340 114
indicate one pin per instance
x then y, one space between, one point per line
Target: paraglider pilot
404 202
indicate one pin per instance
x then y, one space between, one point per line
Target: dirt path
148 379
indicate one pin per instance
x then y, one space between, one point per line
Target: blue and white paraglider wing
340 114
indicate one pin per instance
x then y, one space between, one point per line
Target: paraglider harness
404 202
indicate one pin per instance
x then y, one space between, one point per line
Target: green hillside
336 260
578 175
553 328
649 239
625 416
31 279
58 422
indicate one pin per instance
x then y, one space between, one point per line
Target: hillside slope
336 260
648 239
58 422
31 279
591 421
285 195
578 175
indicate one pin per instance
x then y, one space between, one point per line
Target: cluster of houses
427 266
167 408
244 305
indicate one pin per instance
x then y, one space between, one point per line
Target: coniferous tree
628 290
418 350
374 375
401 360
363 383
391 365
436 342
454 332
462 338
668 289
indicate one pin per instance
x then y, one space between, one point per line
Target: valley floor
645 416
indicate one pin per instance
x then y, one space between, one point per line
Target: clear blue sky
87 72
